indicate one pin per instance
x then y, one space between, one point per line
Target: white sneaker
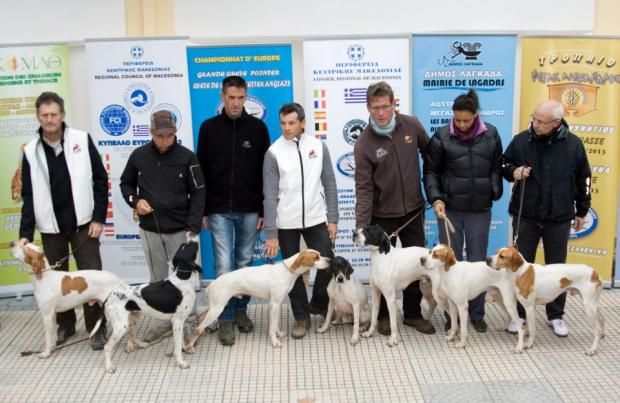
559 327
512 326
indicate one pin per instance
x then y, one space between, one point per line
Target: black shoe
243 322
479 325
98 341
227 333
63 334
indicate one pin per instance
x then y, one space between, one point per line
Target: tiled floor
320 368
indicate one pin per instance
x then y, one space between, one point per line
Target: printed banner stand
26 72
337 74
445 66
129 79
268 70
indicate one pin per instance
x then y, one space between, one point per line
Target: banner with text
25 72
584 75
268 70
445 66
337 74
128 81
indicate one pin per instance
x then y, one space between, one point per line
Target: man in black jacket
65 194
231 148
163 182
552 164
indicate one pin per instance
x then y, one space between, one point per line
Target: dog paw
320 330
189 349
591 352
183 365
354 340
129 349
276 343
110 369
44 354
367 334
517 350
392 341
460 344
449 338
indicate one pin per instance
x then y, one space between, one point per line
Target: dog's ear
349 270
197 267
450 258
516 260
384 246
36 260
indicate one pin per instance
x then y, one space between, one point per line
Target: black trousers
317 238
87 257
555 240
411 235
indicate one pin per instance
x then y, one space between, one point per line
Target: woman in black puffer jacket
462 178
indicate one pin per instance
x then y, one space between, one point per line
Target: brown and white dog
461 282
59 291
537 284
271 282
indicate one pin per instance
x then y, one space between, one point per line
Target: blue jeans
233 235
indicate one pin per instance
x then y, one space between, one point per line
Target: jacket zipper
303 198
471 177
232 170
400 175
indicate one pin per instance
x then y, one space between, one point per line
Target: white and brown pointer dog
59 291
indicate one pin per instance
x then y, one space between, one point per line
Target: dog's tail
101 316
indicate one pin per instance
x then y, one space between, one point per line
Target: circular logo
136 52
114 120
253 106
355 52
139 98
173 109
346 165
589 226
353 130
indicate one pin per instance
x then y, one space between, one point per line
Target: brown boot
383 326
300 328
420 324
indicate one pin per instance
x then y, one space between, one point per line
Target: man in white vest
300 199
65 195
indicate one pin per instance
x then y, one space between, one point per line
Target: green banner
25 72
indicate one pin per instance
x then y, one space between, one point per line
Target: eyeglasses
541 122
381 108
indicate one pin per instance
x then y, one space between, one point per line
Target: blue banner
269 73
445 66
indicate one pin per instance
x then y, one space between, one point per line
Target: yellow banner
584 75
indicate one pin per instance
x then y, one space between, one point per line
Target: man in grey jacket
299 188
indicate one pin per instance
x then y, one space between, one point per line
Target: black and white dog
391 270
347 298
172 299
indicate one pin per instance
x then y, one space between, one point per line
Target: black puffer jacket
558 187
465 176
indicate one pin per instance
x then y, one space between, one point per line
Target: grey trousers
473 228
158 250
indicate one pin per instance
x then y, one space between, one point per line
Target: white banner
128 81
337 74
